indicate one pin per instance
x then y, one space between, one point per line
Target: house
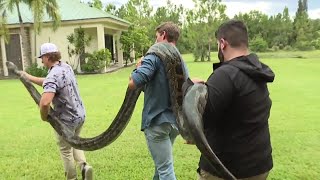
105 30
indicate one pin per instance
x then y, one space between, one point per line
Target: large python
188 110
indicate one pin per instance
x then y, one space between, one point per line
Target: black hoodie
236 116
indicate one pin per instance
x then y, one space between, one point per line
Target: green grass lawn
28 148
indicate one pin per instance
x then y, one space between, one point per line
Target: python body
188 110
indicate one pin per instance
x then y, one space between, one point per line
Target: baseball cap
47 48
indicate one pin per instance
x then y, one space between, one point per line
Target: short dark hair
172 30
54 56
234 32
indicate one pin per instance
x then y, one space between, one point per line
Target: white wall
59 37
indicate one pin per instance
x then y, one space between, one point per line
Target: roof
69 10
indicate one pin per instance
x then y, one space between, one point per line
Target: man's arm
144 72
131 84
50 87
44 104
34 79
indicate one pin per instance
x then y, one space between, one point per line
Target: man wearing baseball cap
61 89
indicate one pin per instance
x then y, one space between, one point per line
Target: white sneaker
87 172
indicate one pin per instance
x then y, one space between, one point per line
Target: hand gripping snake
188 110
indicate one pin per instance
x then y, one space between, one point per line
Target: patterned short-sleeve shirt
67 103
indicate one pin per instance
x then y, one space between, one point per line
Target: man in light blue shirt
158 121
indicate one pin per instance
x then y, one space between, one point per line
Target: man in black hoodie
238 108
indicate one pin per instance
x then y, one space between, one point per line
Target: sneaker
86 172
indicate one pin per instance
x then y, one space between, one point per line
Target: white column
4 57
114 47
101 40
33 47
24 58
119 49
100 36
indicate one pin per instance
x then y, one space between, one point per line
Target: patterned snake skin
88 144
188 111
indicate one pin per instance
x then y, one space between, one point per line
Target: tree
96 4
4 31
79 40
279 30
170 12
316 39
257 23
137 12
302 27
202 24
175 14
97 61
286 27
111 8
258 44
38 8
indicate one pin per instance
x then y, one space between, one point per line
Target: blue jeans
160 139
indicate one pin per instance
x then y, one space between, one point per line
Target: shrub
304 46
258 44
275 48
37 71
97 61
316 43
288 48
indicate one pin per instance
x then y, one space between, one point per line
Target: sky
269 7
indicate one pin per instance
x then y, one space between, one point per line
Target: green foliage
137 38
279 29
256 22
258 44
302 26
184 44
275 48
39 11
304 46
199 24
34 70
97 61
4 31
175 14
200 53
111 8
287 48
316 43
79 40
170 12
203 21
96 4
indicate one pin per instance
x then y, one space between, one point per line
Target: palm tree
38 9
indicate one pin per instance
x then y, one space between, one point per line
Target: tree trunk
82 57
24 42
209 53
78 67
202 53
